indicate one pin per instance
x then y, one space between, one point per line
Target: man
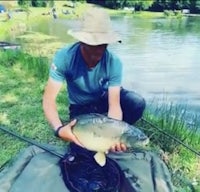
93 75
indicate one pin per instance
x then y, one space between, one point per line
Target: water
161 56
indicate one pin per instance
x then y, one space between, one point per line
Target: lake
161 56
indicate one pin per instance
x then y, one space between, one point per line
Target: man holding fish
94 77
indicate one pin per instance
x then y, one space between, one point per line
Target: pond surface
161 56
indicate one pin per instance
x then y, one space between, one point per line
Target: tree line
138 5
151 5
36 3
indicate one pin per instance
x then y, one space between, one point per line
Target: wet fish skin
98 132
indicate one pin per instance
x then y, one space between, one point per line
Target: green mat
34 169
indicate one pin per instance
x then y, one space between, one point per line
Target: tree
116 4
113 4
195 6
160 5
23 2
198 6
38 3
139 4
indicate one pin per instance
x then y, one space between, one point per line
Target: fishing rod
172 137
30 141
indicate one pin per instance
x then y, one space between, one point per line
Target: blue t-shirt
85 85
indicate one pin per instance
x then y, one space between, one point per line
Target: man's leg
100 107
132 105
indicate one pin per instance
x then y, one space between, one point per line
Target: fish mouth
146 141
143 138
143 142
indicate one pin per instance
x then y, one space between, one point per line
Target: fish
98 132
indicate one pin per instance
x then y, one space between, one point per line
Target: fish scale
99 133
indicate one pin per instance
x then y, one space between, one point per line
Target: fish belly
95 143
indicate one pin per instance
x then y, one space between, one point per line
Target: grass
22 85
183 163
22 81
171 118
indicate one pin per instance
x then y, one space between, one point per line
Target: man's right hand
66 133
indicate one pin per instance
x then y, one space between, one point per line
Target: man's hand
66 133
118 147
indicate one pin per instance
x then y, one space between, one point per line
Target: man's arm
49 102
114 107
50 109
115 111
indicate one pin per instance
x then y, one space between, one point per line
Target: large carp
98 133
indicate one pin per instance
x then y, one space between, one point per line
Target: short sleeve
115 71
57 69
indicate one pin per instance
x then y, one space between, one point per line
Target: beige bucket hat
96 28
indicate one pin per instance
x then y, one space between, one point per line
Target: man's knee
140 104
133 106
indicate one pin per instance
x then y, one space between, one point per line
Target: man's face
96 52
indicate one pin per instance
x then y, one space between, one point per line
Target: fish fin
100 158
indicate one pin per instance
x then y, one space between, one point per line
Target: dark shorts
132 105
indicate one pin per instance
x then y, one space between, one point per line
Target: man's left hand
119 147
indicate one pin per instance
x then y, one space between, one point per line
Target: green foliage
193 5
182 162
37 66
33 3
140 4
23 2
153 5
116 4
170 13
22 81
171 119
8 58
39 3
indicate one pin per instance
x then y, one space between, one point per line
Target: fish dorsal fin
100 158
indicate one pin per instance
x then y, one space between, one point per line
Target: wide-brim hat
96 28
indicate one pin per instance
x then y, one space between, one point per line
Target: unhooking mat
34 169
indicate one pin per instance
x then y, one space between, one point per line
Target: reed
171 118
